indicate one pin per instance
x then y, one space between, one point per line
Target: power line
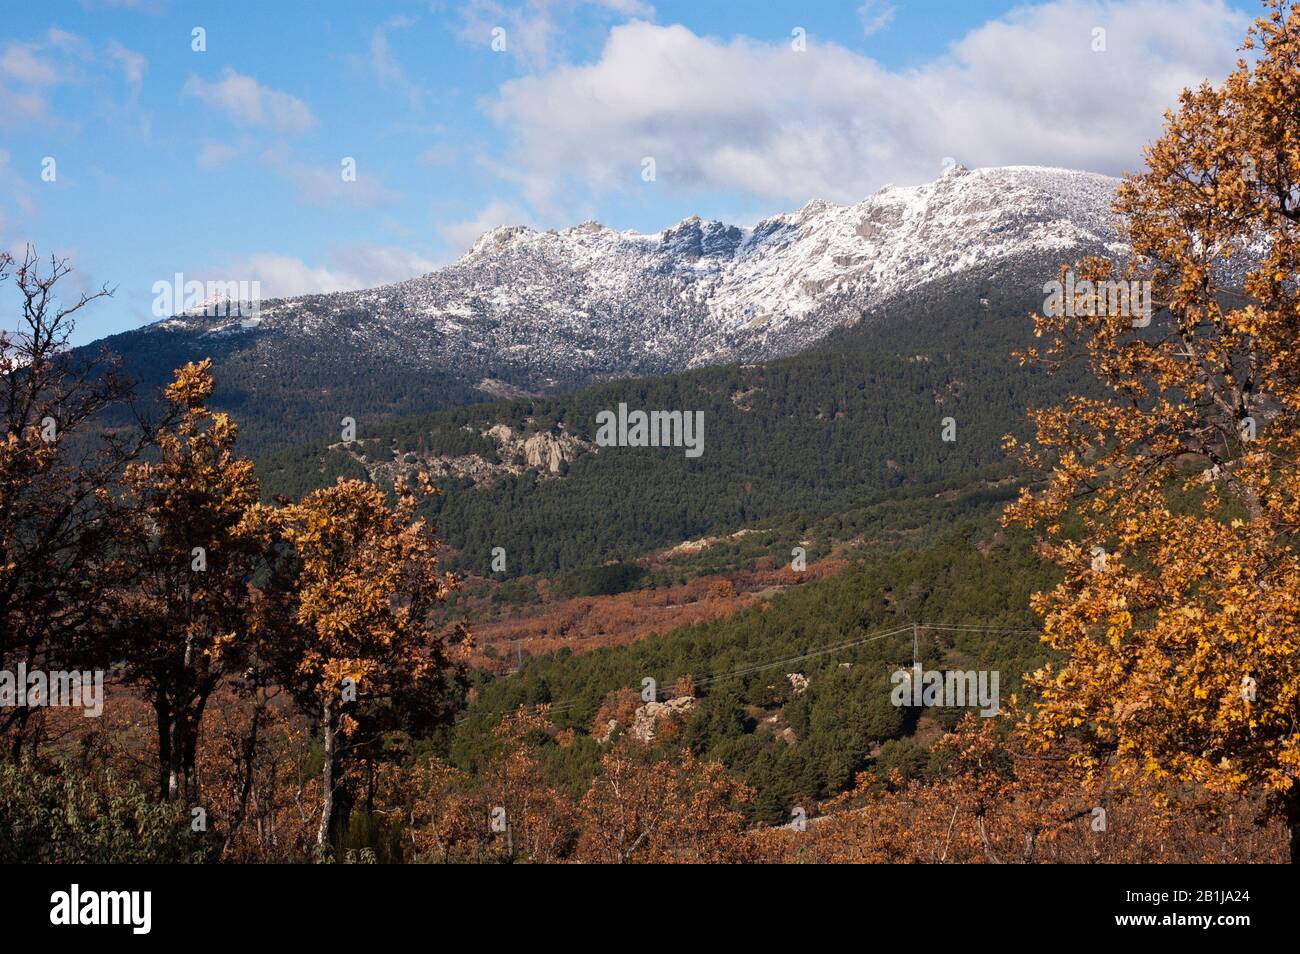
913 628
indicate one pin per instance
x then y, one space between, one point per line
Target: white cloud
767 121
213 155
876 15
249 103
22 62
133 65
461 235
346 269
30 70
381 264
17 207
532 28
324 185
383 65
21 106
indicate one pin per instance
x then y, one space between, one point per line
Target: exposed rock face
649 715
798 682
503 390
695 546
603 736
543 452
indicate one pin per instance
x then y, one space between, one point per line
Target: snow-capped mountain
528 311
591 302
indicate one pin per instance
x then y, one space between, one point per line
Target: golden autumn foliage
1171 502
1009 801
502 812
292 657
335 643
642 809
617 709
351 636
187 543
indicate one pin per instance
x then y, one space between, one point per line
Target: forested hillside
972 585
848 426
290 392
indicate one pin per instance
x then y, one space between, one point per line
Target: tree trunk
164 749
189 749
19 727
327 777
248 767
176 758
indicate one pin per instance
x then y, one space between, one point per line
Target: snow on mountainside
538 309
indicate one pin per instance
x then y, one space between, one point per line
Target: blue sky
226 163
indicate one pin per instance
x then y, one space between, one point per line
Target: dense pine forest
850 426
843 723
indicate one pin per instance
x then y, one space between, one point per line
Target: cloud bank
767 121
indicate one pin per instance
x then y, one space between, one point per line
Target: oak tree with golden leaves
353 638
527 819
1171 502
187 543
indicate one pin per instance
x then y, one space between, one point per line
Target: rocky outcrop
603 736
648 716
544 452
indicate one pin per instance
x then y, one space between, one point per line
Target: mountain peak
538 308
591 226
497 237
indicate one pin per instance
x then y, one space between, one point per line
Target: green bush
48 816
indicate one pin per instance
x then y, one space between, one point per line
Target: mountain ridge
757 292
537 312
